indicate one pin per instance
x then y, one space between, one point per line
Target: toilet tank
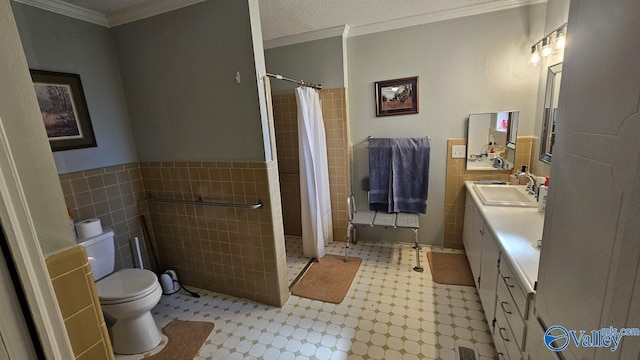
101 253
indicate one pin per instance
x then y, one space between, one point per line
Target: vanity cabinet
505 300
472 237
489 261
483 256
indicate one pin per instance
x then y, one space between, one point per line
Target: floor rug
450 268
328 279
185 339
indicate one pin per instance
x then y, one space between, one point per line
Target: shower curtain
317 227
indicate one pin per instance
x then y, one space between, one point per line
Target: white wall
59 43
469 65
26 141
318 61
179 74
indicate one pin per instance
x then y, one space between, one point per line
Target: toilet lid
126 284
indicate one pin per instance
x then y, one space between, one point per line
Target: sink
505 195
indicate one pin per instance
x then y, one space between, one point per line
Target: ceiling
283 18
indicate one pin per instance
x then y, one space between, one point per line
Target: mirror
550 112
491 140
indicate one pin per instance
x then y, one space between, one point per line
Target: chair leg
418 267
346 245
355 239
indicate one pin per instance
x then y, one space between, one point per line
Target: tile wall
77 297
334 111
234 251
455 193
114 195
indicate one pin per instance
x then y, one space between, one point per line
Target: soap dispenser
542 195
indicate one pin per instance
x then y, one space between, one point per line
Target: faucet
531 183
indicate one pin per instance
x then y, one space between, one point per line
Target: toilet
128 295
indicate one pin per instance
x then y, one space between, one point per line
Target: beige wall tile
78 300
115 195
454 186
84 330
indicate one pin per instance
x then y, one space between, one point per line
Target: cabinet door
489 276
472 237
589 256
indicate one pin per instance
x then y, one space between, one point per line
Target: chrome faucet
531 183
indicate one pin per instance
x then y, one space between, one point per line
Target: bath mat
450 269
185 339
328 279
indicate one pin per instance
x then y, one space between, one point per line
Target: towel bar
200 201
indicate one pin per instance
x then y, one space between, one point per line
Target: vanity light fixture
546 47
561 38
535 55
553 41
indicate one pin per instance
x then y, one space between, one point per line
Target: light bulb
561 40
535 56
546 49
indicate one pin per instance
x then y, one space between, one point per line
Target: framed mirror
491 140
550 112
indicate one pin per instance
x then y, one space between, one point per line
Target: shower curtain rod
299 82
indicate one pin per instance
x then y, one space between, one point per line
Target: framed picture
397 97
64 110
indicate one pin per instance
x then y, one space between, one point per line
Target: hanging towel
409 175
379 171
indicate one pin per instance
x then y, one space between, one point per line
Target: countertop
516 229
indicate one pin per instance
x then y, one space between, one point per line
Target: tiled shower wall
115 195
229 250
334 112
455 193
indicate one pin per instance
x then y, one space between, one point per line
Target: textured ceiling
291 17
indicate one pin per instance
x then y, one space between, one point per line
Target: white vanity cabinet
472 237
506 295
489 261
483 255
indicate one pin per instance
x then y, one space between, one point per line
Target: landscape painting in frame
64 110
397 96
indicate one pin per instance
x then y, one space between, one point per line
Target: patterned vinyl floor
390 312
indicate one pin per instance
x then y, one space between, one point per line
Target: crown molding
133 14
341 30
347 31
66 9
147 10
440 16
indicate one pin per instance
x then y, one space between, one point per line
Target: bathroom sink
505 195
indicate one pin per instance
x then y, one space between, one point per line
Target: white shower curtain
317 227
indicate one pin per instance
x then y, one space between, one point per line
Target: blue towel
379 171
409 175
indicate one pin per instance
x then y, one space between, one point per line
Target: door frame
29 261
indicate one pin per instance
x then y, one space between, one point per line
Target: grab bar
200 201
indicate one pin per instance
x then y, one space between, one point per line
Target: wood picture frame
64 110
397 96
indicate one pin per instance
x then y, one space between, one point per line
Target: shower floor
296 261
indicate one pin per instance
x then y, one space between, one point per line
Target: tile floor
296 261
390 312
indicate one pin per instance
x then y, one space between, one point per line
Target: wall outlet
458 151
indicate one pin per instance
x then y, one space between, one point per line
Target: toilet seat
126 285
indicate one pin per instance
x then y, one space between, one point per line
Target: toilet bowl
127 295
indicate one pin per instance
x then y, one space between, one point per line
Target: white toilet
128 295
